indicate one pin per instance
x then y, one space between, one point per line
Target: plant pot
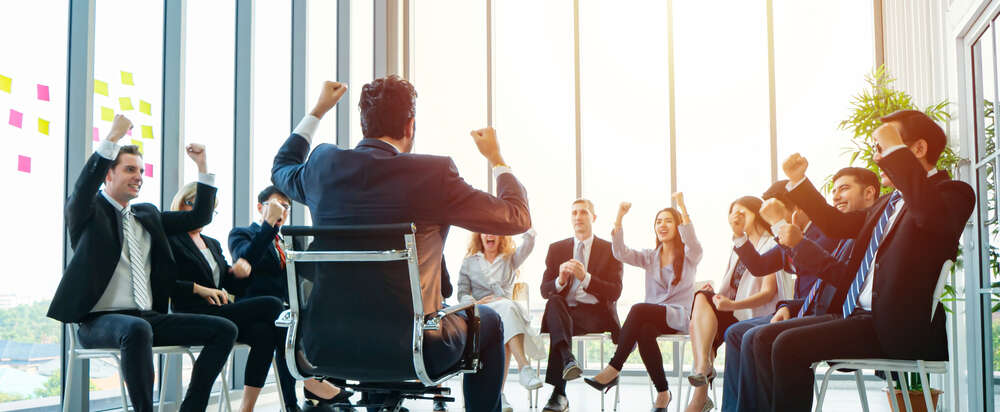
916 399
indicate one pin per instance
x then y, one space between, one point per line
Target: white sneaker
504 405
529 378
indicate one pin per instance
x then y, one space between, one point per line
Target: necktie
281 250
578 255
815 287
877 235
140 288
734 281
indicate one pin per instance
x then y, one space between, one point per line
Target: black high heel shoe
603 387
342 397
664 409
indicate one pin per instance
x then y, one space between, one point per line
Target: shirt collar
118 206
587 242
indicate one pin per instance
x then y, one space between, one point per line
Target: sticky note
100 87
96 135
43 92
138 143
15 118
43 126
127 78
125 103
23 164
107 114
5 83
149 170
147 132
145 107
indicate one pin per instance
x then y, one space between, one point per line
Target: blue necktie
877 235
815 287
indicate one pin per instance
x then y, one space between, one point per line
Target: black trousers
562 322
644 323
811 340
255 319
135 333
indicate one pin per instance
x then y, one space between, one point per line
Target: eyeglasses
285 206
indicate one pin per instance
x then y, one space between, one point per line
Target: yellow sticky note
125 103
107 114
100 87
145 107
5 83
147 132
43 126
127 78
138 143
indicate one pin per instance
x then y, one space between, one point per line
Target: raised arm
80 204
522 251
619 250
179 222
243 244
831 221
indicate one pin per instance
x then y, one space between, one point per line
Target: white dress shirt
578 287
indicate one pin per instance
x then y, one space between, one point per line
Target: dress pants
562 322
136 332
644 323
739 390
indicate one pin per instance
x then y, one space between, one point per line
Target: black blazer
909 259
95 233
811 257
605 277
192 267
255 243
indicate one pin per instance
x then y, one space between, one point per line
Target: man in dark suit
119 281
380 182
582 282
900 244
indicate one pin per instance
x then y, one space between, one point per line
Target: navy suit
375 184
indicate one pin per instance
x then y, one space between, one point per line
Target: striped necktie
877 235
815 287
140 285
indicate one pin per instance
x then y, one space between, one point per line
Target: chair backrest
939 289
520 293
361 319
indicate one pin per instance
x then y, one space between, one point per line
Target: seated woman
199 260
487 277
741 297
670 271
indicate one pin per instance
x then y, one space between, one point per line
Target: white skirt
517 321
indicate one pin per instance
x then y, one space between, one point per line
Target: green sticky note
43 126
5 83
145 107
107 114
125 103
138 143
147 132
100 87
127 78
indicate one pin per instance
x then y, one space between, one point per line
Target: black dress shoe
603 387
571 370
292 408
557 403
440 405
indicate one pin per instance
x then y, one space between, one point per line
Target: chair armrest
285 319
434 322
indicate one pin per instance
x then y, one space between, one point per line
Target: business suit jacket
375 184
909 260
192 267
605 280
779 258
255 243
811 257
95 233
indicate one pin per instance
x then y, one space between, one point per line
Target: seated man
900 244
582 281
380 182
855 188
119 281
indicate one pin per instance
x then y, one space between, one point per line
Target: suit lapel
116 218
193 250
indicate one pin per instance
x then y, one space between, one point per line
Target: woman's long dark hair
678 244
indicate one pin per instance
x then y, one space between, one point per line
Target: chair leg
224 390
69 381
277 384
892 387
121 382
924 384
906 392
617 396
165 365
862 391
822 391
679 355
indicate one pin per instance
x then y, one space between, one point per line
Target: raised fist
623 208
274 213
887 136
789 235
795 167
773 211
328 97
486 142
119 127
196 152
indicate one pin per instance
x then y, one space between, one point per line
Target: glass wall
272 59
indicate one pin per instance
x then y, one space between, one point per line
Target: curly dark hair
386 105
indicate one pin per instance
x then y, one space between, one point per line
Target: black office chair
363 318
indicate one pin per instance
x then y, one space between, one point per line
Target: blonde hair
505 247
186 192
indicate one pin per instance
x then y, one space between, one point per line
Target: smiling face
850 195
491 243
124 180
665 227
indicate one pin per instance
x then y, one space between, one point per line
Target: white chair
228 369
77 352
921 367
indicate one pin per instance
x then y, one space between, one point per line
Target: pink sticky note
23 164
96 133
149 170
43 92
15 118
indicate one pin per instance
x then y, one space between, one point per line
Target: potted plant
878 99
